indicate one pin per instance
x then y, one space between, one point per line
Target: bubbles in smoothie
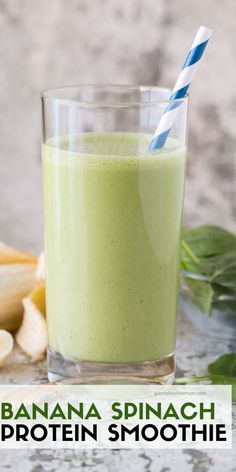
109 149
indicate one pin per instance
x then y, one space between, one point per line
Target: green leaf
221 269
189 261
224 298
223 371
208 263
200 293
209 240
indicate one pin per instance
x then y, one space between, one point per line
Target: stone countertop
195 350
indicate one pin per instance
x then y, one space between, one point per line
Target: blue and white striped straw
180 89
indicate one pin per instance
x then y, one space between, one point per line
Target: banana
6 346
40 270
32 334
17 278
22 299
9 255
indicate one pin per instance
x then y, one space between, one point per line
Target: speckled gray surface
49 43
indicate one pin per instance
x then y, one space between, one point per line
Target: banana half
17 278
32 334
6 346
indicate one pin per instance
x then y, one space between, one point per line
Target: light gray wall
45 43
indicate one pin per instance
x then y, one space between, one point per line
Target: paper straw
180 89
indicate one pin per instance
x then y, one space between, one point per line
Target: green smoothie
113 216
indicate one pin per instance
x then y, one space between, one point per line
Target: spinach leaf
199 292
209 240
224 298
221 269
223 371
208 264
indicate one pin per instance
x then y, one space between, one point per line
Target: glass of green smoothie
113 215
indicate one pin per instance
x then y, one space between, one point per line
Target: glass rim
52 94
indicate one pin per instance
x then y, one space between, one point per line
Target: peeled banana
32 334
22 302
6 346
40 270
17 278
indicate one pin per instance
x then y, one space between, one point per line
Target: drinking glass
113 214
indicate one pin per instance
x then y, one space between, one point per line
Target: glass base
63 369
